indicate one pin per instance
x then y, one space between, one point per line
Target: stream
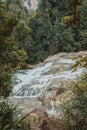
37 86
36 81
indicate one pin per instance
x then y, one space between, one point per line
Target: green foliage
38 34
39 46
83 10
38 30
22 32
23 36
8 119
80 62
65 38
6 24
83 29
73 8
11 58
5 82
74 105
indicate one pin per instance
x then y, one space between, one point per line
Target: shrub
8 119
74 105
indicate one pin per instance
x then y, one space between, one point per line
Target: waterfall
36 81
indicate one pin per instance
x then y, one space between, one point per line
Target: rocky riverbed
41 88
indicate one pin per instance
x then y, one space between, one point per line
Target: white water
35 82
31 82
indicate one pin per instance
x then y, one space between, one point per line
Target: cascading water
37 87
36 81
32 82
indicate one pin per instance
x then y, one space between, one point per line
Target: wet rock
40 120
24 104
49 123
34 117
45 83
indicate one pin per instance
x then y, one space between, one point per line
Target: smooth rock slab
24 104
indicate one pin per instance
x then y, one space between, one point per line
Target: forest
28 37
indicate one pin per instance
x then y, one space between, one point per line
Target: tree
23 36
9 54
74 103
10 58
22 32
